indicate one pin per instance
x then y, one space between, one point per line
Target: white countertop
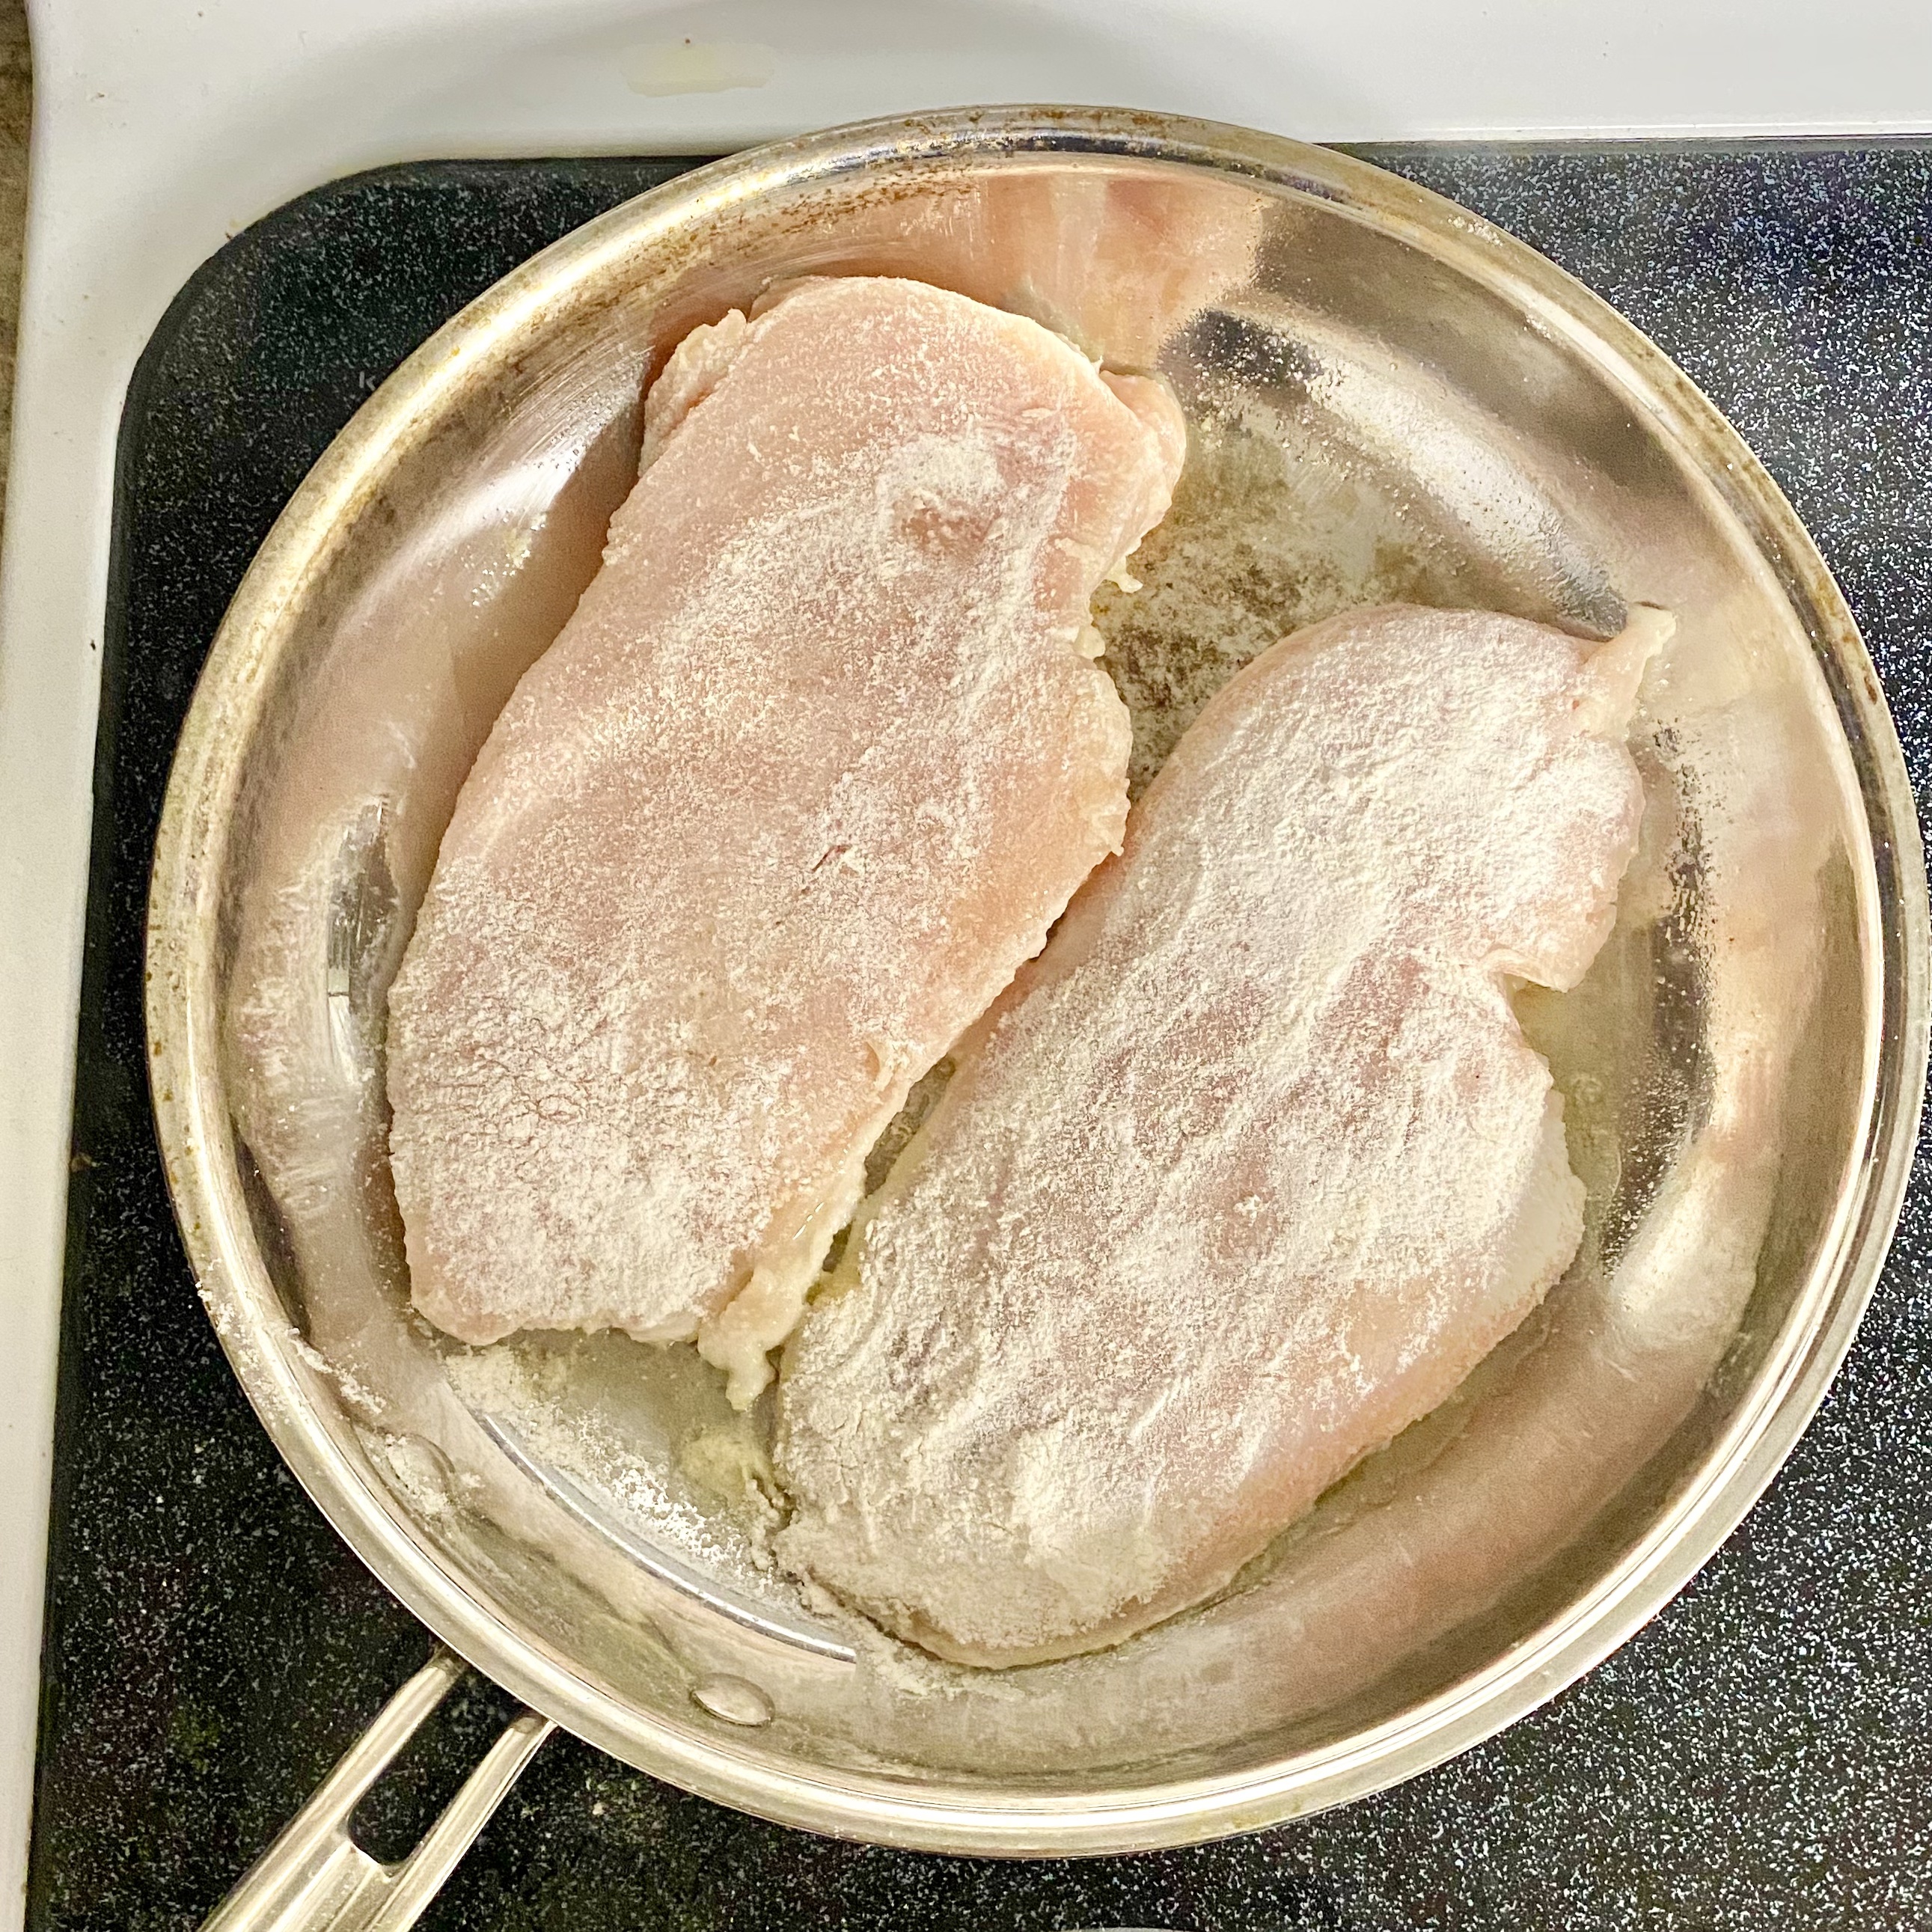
161 127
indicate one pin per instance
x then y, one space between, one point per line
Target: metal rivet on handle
734 1699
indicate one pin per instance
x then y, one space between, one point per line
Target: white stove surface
162 127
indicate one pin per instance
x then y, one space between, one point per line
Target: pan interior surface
1386 400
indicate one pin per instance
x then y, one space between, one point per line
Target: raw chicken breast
819 758
1250 1169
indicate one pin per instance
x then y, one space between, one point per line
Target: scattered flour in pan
707 1498
369 1404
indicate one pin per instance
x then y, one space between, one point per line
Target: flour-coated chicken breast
1250 1169
820 757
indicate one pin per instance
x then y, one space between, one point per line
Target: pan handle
316 1878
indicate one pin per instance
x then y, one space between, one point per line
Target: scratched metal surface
1755 1758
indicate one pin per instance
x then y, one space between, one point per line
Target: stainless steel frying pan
1387 397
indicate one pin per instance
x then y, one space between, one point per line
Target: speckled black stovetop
1760 1756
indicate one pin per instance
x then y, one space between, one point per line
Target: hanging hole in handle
389 1821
